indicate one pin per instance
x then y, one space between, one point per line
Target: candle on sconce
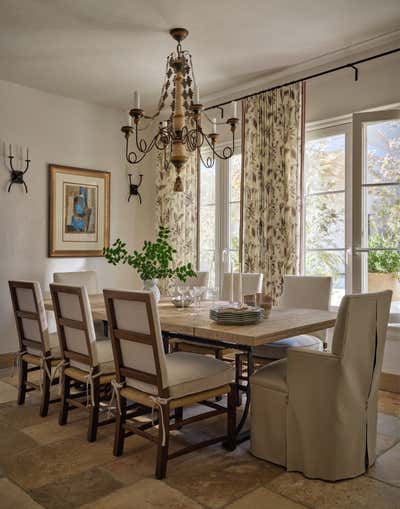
27 153
197 94
234 109
129 120
136 100
214 126
9 152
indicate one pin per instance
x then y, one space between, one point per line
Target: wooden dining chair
38 350
87 360
164 382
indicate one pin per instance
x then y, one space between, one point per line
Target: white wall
62 131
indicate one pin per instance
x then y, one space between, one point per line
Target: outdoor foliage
153 262
382 261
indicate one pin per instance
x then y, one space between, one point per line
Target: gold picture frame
79 211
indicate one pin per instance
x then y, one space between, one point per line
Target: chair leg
218 355
22 379
105 328
64 407
231 418
162 451
178 416
45 397
119 437
238 377
94 411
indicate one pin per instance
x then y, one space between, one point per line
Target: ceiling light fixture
182 132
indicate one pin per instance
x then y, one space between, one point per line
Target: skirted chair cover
251 284
200 280
316 412
310 292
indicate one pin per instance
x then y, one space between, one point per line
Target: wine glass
182 291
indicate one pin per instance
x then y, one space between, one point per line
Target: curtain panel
272 159
178 212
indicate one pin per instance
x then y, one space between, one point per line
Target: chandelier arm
226 153
209 161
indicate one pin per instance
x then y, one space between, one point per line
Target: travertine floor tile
12 442
12 497
7 392
359 493
76 490
217 479
145 494
387 467
264 498
389 425
389 403
384 443
49 463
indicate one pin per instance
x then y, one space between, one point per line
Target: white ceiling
101 50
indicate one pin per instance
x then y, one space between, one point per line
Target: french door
376 202
219 217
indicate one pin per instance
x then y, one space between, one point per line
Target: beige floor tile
12 442
52 462
359 493
384 443
76 490
7 392
387 467
264 498
389 403
145 494
219 478
389 425
13 497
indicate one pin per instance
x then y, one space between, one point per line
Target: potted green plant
152 263
383 267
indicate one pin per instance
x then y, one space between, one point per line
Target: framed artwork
79 210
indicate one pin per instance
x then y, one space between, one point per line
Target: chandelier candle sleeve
234 109
214 126
136 100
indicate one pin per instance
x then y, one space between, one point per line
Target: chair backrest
75 326
86 278
200 280
30 317
251 284
137 341
312 292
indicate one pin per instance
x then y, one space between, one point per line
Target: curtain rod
351 65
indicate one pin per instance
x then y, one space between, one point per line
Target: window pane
207 185
234 225
383 151
234 177
325 164
207 264
234 259
207 227
383 216
328 263
381 272
324 221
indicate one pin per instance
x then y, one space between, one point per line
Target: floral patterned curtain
178 212
272 131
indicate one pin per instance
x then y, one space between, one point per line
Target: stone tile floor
45 465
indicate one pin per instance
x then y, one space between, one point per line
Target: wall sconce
17 175
134 188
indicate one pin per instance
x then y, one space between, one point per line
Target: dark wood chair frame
100 390
24 384
125 428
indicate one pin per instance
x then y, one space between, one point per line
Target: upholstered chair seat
316 412
279 349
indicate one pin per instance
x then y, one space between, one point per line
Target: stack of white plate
225 315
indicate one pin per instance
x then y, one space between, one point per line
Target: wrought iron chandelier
182 133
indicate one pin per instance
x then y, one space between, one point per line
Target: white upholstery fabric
189 373
86 278
26 302
132 316
200 280
279 349
251 284
324 422
75 338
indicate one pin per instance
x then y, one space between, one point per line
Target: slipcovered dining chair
164 382
307 292
38 350
316 412
200 279
87 359
86 278
251 284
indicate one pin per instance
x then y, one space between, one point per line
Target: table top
281 323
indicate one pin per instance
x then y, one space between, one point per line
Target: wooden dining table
194 324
